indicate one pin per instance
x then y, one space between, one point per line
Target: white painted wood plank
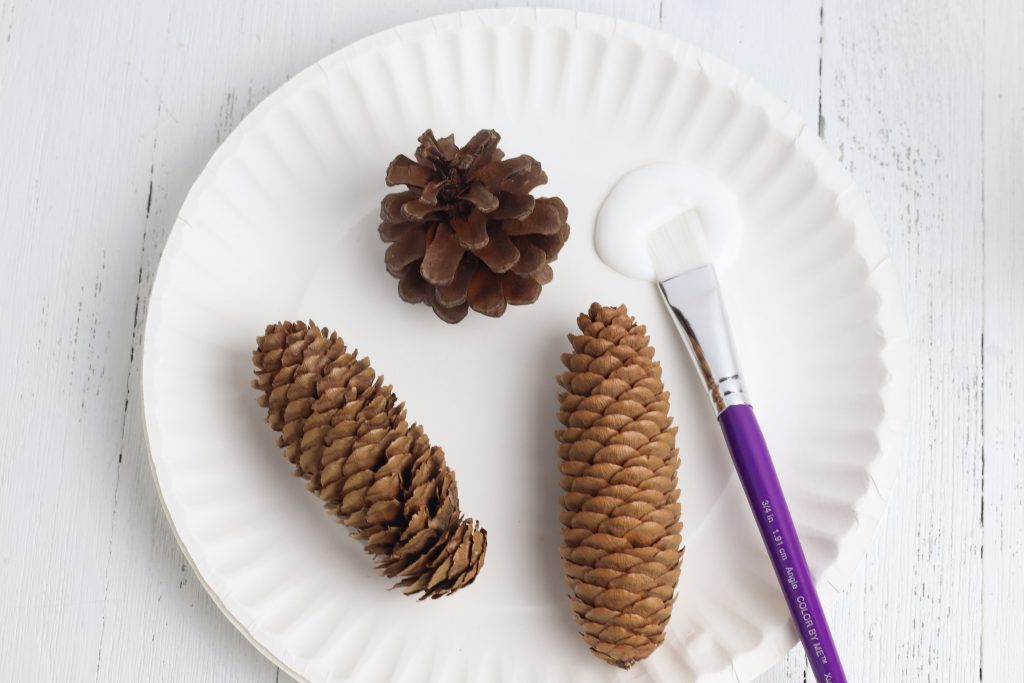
641 11
1003 503
777 44
73 184
902 105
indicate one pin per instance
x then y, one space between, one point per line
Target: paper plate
282 225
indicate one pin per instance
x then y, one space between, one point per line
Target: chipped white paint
110 111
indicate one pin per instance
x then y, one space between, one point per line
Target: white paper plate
282 225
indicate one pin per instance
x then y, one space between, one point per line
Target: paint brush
689 284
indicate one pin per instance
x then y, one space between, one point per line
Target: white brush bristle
678 246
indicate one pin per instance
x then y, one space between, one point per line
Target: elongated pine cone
346 434
620 518
466 233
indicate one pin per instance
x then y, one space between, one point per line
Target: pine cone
466 233
346 433
621 528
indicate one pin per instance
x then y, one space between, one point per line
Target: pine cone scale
471 231
455 292
513 206
442 257
499 254
480 197
404 171
531 258
412 288
485 293
544 275
391 205
409 248
519 290
451 314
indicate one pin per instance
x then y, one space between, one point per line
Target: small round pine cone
346 434
466 232
621 530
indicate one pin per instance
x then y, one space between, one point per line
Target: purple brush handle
764 493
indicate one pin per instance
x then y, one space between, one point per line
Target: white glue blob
650 196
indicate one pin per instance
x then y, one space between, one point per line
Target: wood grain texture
111 110
1002 511
902 106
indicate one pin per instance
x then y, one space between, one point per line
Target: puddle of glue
648 197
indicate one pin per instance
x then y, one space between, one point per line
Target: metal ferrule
696 303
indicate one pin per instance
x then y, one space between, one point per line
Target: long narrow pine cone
466 232
347 435
621 515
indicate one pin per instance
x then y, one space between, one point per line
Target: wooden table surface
109 110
